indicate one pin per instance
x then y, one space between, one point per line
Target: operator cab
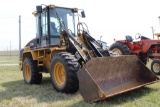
50 21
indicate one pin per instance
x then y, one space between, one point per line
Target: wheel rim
156 67
27 72
117 51
59 74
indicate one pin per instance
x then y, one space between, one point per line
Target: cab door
44 39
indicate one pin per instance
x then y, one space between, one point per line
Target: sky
111 19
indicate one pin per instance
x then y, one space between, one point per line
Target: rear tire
30 71
119 48
155 66
63 71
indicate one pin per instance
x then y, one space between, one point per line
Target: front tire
63 72
155 66
30 71
119 48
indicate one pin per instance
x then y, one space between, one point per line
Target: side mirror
83 14
39 9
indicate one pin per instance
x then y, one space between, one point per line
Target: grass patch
14 92
9 60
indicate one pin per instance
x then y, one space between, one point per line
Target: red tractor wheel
155 66
119 48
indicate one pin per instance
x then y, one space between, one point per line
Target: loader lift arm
89 41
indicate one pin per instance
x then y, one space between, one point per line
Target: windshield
66 17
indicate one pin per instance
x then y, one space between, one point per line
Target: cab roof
53 6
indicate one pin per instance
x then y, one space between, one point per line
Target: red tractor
144 48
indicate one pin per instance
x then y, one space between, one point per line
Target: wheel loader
145 48
75 60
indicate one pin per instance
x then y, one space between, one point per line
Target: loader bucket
104 77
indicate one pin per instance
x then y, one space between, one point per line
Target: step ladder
41 56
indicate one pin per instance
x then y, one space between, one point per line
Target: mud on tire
63 71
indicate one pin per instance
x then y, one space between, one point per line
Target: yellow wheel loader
64 48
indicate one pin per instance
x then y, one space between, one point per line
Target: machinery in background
144 48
